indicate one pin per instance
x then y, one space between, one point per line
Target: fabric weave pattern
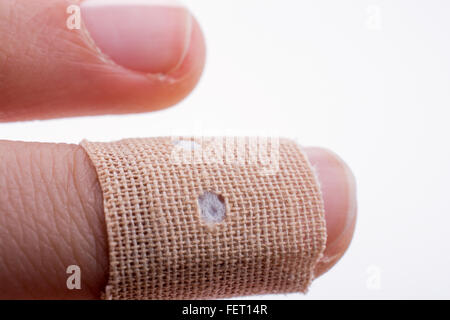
269 241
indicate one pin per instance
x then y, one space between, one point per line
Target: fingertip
119 61
338 186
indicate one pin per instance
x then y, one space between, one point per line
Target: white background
367 79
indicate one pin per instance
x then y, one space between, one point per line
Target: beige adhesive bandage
208 218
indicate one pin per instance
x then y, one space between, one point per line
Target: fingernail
150 36
338 187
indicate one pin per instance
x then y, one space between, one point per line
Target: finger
51 217
127 56
339 192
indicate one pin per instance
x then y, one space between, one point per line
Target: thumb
68 58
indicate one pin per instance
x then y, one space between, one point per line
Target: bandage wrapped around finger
195 218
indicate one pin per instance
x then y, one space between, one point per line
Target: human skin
51 206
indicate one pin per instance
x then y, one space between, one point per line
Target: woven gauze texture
161 247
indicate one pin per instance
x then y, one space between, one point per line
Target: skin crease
51 206
51 216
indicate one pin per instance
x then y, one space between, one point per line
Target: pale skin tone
51 206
